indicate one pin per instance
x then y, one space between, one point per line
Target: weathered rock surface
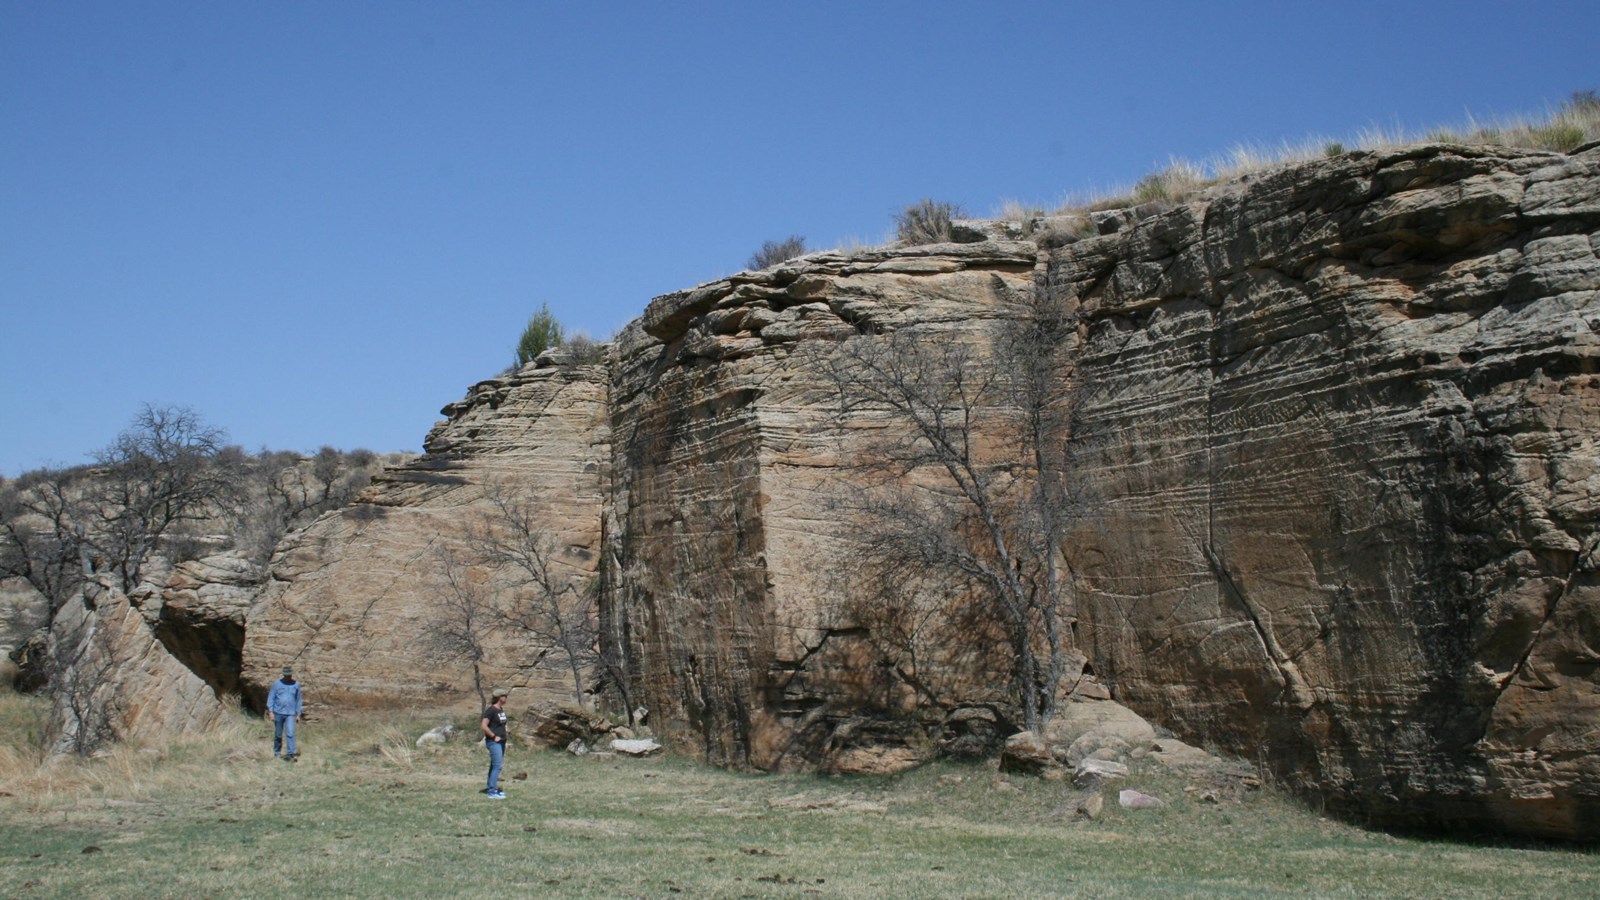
1335 443
1085 727
727 451
557 727
356 600
1341 440
1027 753
115 680
202 616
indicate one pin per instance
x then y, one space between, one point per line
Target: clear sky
318 222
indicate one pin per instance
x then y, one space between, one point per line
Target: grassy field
365 814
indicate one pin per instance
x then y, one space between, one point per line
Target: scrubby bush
1026 215
541 333
585 350
926 222
775 252
1176 182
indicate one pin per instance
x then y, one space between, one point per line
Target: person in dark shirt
493 726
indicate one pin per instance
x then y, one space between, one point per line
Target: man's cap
500 692
287 671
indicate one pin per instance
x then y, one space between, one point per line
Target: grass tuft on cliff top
1572 124
367 814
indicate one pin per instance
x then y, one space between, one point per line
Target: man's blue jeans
283 727
497 759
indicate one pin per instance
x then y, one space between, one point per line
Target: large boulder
112 679
1081 728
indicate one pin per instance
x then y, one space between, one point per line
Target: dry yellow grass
1560 129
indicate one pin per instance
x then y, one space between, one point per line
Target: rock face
1334 443
357 600
1341 445
115 680
202 615
728 453
157 662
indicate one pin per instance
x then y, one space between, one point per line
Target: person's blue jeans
283 729
497 760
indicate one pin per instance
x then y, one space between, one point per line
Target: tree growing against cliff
549 604
467 616
87 708
973 493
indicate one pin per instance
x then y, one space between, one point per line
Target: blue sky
318 222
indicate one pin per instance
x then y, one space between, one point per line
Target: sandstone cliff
1333 442
356 600
1337 437
1342 436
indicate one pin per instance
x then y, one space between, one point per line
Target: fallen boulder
1026 753
639 747
1092 772
1137 800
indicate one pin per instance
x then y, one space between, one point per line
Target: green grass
363 814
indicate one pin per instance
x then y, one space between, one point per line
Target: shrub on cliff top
584 350
926 222
775 252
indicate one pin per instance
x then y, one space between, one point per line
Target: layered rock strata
114 680
1335 447
357 601
729 452
1341 439
1332 453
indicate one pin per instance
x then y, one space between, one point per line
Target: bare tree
550 605
468 616
42 537
162 471
286 492
973 493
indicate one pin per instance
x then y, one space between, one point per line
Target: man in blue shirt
284 705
